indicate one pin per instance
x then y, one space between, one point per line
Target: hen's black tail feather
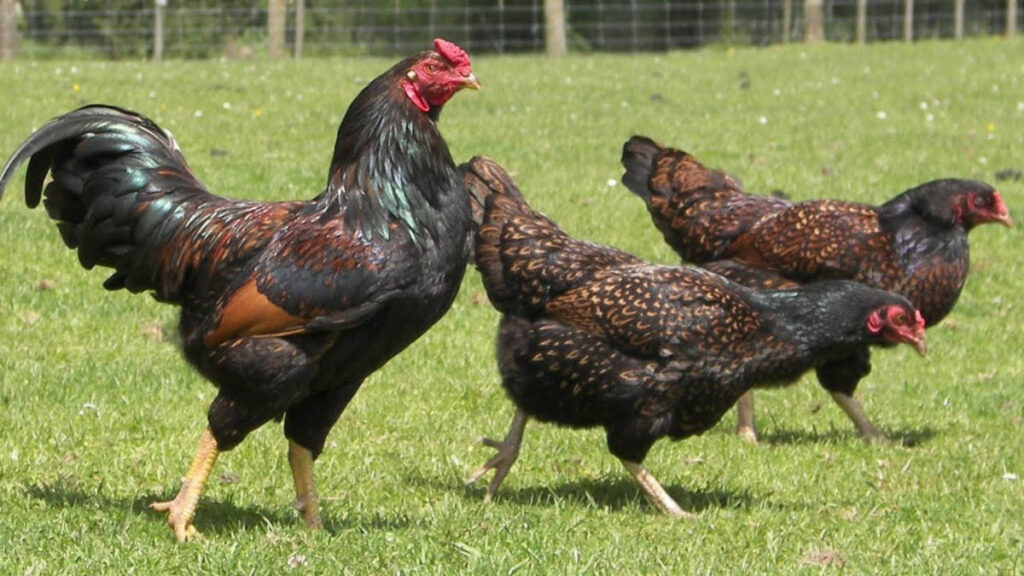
121 193
543 261
638 155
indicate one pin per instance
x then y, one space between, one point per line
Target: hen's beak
919 344
471 82
1002 214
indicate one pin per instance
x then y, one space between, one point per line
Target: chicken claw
508 453
182 510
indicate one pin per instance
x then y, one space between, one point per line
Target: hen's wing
680 315
815 240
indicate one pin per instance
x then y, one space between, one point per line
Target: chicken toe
508 453
182 510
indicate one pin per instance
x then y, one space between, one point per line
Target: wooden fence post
1011 18
958 19
8 29
908 20
275 27
862 21
158 29
554 27
300 27
787 20
814 21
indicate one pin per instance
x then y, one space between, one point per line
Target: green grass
99 419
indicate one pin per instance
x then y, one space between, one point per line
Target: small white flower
762 120
612 182
14 455
835 81
776 92
297 560
881 115
152 94
982 160
923 105
1020 106
867 69
197 114
929 118
226 105
1010 476
995 88
74 70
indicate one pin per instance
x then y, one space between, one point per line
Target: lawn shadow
611 493
220 517
906 437
614 494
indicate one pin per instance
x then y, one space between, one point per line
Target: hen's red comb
451 52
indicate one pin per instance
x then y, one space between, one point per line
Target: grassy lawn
101 415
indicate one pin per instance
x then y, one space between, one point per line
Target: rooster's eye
899 319
979 201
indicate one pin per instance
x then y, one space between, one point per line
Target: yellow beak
471 82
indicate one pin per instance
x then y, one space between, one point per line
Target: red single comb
451 52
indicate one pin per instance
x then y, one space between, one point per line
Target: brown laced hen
915 244
592 336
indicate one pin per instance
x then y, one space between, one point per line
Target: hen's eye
979 201
899 319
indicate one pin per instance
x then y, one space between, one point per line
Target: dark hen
286 307
592 336
915 244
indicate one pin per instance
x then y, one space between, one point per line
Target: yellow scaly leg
182 509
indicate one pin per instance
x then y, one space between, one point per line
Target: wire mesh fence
237 28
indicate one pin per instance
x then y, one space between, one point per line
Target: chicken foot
659 497
508 452
306 499
182 510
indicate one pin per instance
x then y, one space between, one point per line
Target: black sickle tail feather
638 154
123 196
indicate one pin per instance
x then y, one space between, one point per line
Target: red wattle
414 94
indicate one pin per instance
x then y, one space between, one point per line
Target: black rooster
915 244
591 336
285 306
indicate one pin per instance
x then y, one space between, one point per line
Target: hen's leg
508 452
840 377
745 418
306 500
306 426
182 509
659 497
855 411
